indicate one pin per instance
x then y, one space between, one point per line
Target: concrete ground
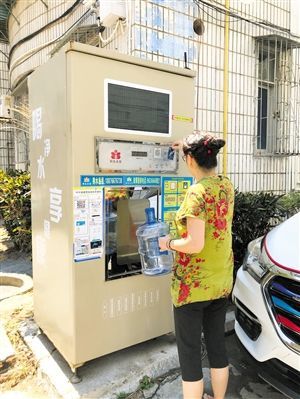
152 365
144 371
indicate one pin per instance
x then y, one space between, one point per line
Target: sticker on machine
87 224
181 118
172 195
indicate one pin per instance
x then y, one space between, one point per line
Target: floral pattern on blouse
209 274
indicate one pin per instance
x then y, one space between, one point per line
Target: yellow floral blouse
208 274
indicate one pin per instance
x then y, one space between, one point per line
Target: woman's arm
192 243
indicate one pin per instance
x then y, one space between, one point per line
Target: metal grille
7 160
260 157
87 34
21 129
14 138
284 299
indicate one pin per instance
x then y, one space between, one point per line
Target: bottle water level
152 266
154 261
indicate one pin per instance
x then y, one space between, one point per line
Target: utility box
102 128
6 104
111 11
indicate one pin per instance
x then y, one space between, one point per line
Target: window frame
270 85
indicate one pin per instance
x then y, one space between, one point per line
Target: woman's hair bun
203 148
215 143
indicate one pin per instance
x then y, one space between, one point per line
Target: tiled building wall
33 15
162 30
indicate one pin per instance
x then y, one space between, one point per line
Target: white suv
267 298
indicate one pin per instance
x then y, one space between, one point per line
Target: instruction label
88 224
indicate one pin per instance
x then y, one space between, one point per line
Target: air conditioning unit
6 104
111 11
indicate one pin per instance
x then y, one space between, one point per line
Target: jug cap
150 215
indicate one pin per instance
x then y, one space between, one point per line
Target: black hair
204 148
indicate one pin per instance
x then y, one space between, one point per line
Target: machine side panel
51 182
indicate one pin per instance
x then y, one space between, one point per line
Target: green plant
146 382
254 215
290 203
122 395
15 207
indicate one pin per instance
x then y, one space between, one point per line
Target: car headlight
253 260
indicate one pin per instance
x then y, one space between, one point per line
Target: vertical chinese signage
55 194
173 192
88 223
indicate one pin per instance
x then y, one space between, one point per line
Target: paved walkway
152 365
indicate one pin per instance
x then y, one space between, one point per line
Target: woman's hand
177 145
162 242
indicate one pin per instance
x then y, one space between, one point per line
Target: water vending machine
102 128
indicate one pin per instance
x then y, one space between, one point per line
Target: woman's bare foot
206 396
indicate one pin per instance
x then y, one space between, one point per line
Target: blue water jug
154 261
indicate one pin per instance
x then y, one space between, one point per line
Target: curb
20 282
7 351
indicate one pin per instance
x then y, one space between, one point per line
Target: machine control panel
133 156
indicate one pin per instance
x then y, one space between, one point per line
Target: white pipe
25 56
105 41
20 112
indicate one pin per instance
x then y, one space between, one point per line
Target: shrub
254 215
289 204
15 207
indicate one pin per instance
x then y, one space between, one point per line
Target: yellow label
170 186
173 233
182 118
183 186
170 200
169 216
181 198
172 225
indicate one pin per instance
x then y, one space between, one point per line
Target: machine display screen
139 153
133 108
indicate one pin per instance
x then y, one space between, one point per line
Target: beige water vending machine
102 125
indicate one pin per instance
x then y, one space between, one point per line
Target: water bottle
154 261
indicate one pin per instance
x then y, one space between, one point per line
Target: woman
203 269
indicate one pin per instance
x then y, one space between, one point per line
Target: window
267 71
274 94
262 118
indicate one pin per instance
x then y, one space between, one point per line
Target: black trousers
190 321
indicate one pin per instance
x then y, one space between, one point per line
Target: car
266 295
